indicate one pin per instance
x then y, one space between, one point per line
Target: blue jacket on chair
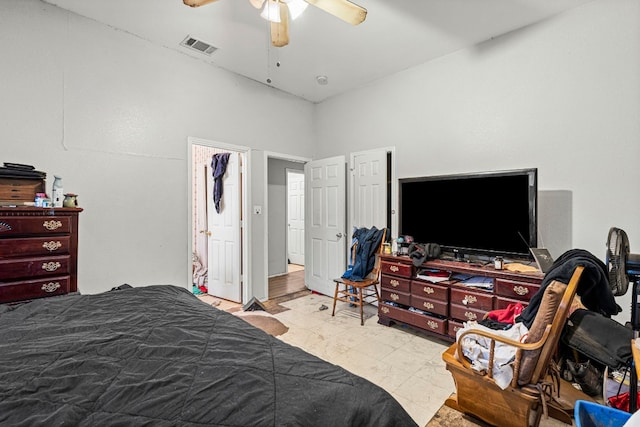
368 242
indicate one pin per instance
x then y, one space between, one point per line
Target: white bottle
57 193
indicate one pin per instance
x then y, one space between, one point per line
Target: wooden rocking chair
523 401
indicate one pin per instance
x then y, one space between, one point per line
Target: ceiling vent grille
198 45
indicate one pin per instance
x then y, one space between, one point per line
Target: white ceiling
397 34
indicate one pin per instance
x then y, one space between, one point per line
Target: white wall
562 96
111 114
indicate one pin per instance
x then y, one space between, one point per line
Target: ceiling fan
278 12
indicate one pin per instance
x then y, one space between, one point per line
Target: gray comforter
158 356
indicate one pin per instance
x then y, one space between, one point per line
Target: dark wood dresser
441 308
38 252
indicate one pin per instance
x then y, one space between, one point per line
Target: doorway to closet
218 186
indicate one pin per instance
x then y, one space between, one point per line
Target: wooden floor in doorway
281 288
286 284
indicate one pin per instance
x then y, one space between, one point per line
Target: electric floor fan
624 268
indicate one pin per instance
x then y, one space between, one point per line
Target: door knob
339 235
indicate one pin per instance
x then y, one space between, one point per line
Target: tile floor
407 365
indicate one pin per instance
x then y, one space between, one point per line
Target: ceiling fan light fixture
296 7
271 11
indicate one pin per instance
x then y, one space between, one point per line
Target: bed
157 355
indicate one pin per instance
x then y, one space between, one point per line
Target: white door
369 189
224 272
295 217
325 223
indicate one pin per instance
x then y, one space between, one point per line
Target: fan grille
616 257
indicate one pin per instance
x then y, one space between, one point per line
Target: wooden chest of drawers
38 252
442 308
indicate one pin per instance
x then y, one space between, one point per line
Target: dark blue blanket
158 356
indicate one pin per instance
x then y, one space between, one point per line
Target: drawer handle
5 226
456 328
428 305
394 268
385 310
471 316
395 297
469 299
428 290
521 290
394 283
51 287
432 324
52 225
51 266
52 246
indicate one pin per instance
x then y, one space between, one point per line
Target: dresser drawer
395 283
471 298
28 289
21 247
465 313
396 269
15 226
33 267
515 289
422 321
430 305
398 297
429 290
453 327
430 323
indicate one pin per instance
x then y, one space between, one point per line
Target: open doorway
285 181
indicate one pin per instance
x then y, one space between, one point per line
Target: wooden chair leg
360 297
335 297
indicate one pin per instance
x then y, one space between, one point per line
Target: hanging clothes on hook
218 166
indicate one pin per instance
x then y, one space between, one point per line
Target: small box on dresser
38 252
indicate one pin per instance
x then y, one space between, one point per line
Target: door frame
272 155
245 259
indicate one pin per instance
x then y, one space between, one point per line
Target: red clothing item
506 315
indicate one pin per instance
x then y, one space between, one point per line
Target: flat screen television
485 213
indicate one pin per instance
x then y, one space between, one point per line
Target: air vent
199 45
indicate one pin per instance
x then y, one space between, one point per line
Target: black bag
419 253
599 338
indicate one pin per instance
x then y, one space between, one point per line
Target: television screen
486 213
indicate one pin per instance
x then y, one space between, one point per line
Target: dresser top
33 211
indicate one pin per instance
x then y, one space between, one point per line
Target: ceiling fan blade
343 9
280 30
197 3
256 3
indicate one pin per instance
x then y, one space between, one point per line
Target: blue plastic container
589 414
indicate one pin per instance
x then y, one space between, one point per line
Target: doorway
217 238
285 186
